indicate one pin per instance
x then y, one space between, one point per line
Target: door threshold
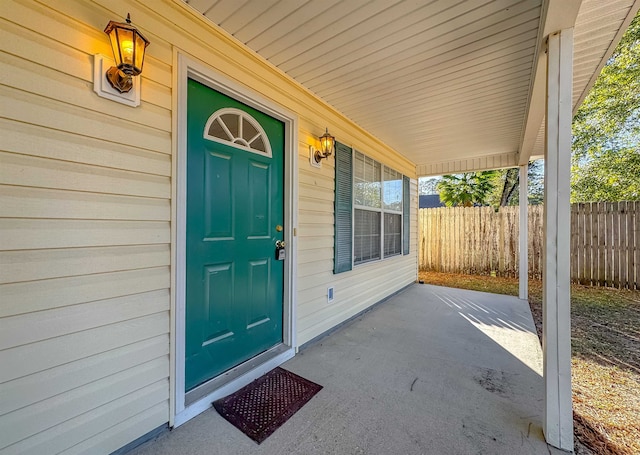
200 399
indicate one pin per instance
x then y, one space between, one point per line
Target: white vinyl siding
86 214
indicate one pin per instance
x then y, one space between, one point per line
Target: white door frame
190 68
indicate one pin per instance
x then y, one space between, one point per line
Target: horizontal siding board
78 25
158 71
91 424
313 193
80 432
315 217
38 80
31 265
312 230
314 268
48 173
58 56
309 174
156 94
47 143
309 203
114 437
39 386
25 234
321 182
28 108
312 243
42 325
42 49
310 256
33 419
69 348
357 276
21 298
25 202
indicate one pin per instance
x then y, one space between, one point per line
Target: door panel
218 214
235 199
260 223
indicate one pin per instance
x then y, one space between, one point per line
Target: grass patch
605 345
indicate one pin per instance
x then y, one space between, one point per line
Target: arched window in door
234 127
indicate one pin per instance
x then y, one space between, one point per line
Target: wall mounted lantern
128 46
327 144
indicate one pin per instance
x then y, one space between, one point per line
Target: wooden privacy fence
605 242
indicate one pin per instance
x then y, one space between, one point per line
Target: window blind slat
343 244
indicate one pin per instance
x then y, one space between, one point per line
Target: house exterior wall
86 221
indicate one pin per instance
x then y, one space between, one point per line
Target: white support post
523 267
556 304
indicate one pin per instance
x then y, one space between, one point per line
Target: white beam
556 305
523 268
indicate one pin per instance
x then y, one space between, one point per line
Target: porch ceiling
449 84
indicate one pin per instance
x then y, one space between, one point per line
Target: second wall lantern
327 144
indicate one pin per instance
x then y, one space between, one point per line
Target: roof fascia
612 47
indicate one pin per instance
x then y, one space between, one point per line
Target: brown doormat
259 408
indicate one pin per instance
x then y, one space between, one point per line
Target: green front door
234 284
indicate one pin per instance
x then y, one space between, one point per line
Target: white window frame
380 210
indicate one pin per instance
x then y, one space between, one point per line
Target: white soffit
445 83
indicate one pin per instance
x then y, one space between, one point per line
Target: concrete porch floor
432 370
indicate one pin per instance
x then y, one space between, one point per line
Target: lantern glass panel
113 39
139 53
127 49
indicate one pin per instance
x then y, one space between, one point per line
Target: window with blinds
372 210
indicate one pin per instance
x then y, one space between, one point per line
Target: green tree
506 185
606 129
466 189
